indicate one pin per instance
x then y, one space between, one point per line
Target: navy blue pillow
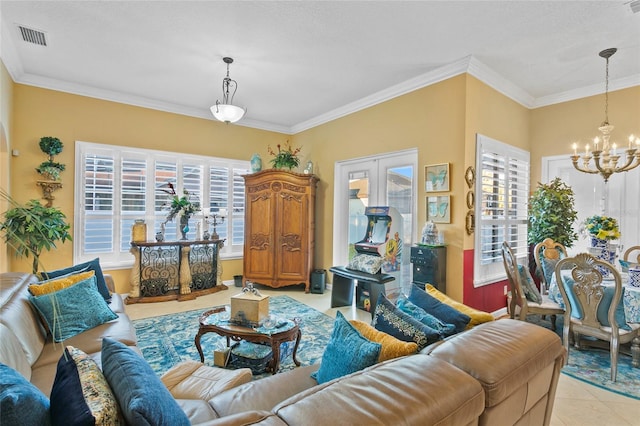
142 397
21 403
442 311
92 265
391 320
424 317
347 352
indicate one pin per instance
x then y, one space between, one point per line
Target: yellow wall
430 119
556 127
6 113
440 121
40 112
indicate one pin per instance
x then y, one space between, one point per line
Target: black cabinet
430 266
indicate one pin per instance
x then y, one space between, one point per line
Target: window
502 195
117 185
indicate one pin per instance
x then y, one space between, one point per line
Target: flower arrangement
285 157
182 204
602 227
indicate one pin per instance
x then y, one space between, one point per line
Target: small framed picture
439 209
436 177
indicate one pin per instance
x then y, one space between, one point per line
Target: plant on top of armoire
286 157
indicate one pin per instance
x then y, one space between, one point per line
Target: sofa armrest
194 380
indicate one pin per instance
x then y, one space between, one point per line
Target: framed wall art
436 177
439 209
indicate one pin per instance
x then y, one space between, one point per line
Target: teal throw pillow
92 265
531 292
21 403
424 317
548 267
143 398
442 311
74 309
346 352
390 319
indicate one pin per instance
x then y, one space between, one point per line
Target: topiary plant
51 169
32 228
552 213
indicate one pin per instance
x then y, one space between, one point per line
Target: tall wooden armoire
279 236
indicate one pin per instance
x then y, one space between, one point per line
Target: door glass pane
400 196
358 200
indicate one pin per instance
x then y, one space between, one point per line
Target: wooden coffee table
216 321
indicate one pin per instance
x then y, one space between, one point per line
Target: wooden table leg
198 346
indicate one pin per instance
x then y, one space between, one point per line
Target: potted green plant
286 157
552 214
32 228
51 169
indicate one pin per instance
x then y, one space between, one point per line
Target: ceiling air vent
635 6
32 36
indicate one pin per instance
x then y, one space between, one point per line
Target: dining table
630 294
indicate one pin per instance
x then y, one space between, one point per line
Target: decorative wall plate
470 222
470 176
471 200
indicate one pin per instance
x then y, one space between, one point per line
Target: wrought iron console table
173 270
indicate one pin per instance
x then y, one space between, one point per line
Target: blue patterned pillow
92 265
391 320
21 403
529 288
440 310
74 309
80 393
346 352
424 317
143 398
366 263
548 267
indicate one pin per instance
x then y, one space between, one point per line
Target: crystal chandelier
605 155
225 110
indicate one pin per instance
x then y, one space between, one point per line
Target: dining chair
635 258
590 307
520 286
547 254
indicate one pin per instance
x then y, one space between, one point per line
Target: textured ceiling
298 64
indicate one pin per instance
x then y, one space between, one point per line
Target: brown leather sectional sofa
503 372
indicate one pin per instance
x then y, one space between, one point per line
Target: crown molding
423 80
583 92
492 79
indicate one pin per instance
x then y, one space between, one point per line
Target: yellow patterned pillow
391 347
57 284
477 316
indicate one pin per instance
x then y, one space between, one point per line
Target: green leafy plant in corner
52 147
29 229
552 213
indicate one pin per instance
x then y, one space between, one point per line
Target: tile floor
577 403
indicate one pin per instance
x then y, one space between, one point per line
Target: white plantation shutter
502 192
116 186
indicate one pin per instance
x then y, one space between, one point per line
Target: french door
382 180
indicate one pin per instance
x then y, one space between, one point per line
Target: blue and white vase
605 252
256 163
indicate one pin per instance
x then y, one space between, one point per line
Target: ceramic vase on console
184 226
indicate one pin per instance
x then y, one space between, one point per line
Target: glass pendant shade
227 113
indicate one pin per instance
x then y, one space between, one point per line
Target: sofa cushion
74 309
477 316
366 263
346 352
391 347
406 306
12 354
142 397
440 310
56 284
391 320
21 403
80 393
92 265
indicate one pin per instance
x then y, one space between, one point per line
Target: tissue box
249 309
221 357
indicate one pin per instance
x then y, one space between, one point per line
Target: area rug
168 339
593 365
